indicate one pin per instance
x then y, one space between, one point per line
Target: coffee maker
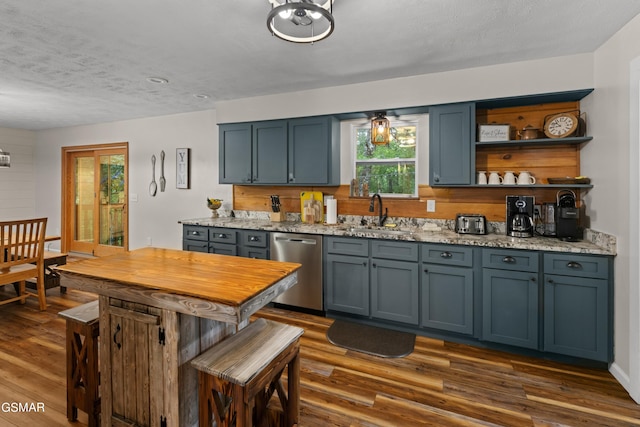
520 216
567 216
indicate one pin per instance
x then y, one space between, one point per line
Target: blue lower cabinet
223 249
576 317
447 298
510 307
347 284
195 245
395 291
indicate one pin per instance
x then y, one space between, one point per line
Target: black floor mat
370 339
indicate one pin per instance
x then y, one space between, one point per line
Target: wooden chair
21 257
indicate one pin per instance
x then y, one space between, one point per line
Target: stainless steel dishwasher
305 249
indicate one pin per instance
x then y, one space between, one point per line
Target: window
389 170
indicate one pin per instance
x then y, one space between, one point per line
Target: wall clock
560 125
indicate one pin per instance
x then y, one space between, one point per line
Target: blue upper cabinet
279 152
314 151
451 131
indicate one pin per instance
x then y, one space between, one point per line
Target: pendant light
380 129
301 21
5 159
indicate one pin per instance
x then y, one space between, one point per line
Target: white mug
525 178
509 178
494 178
482 177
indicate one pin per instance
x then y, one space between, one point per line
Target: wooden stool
238 376
83 378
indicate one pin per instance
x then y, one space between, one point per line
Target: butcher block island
160 308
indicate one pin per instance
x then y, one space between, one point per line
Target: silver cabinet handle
446 254
574 265
509 259
254 239
195 233
221 236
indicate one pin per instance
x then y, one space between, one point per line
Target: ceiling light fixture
380 129
301 21
5 159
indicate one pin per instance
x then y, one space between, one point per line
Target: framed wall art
182 168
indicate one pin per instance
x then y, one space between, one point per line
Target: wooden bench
51 277
83 377
238 376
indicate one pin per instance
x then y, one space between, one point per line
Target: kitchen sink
384 231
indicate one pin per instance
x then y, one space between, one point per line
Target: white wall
607 161
150 217
17 183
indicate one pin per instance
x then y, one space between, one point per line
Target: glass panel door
95 201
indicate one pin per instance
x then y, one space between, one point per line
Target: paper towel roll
332 211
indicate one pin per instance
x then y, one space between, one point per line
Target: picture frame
183 156
493 133
5 159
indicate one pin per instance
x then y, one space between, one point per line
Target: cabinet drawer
390 249
222 249
347 246
195 245
510 259
195 232
576 265
258 239
223 235
460 256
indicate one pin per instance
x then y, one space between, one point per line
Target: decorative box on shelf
493 133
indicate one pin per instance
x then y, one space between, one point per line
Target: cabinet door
447 298
312 157
223 249
269 152
235 153
132 390
395 290
510 307
451 130
253 252
576 319
347 284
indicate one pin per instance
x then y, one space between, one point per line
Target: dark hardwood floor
439 384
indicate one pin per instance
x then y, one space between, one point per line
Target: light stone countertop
410 229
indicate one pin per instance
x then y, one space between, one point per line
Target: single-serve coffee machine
567 216
520 216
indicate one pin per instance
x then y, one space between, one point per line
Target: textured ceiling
72 62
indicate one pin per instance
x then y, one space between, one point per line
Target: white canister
332 211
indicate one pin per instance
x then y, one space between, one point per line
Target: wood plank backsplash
489 201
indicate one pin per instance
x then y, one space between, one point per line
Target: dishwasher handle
295 240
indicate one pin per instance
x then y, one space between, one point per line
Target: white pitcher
494 178
509 178
525 178
482 177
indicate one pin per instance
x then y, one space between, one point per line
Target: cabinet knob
195 233
221 236
446 254
436 178
533 279
509 259
574 265
254 239
426 270
374 265
364 263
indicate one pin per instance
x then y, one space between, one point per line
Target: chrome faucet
381 218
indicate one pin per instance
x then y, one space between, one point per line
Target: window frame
393 122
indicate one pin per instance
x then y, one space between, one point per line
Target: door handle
115 337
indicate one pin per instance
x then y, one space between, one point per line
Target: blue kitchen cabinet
451 132
254 244
253 153
447 288
347 275
395 281
195 238
577 314
302 151
314 151
510 297
223 241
